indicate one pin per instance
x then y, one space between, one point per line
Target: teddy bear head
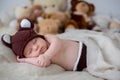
53 23
51 5
36 12
51 26
82 6
22 11
61 16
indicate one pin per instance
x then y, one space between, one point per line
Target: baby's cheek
36 54
44 50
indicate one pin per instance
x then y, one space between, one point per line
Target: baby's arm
41 61
55 46
44 60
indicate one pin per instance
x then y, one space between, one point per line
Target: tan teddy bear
30 12
61 16
51 26
36 12
53 23
51 5
22 11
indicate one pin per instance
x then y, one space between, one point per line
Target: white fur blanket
103 52
101 69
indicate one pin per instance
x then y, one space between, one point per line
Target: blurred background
109 7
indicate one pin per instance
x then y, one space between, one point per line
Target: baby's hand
20 59
43 61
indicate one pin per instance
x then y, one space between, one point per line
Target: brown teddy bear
81 12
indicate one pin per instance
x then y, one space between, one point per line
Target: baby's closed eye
34 41
30 51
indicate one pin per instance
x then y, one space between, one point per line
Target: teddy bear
22 11
58 15
81 13
30 12
53 22
49 26
51 5
36 12
54 12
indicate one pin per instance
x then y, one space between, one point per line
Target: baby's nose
35 47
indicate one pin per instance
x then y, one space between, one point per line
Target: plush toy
53 23
22 11
51 5
30 12
81 6
36 12
81 12
51 26
61 16
114 26
53 15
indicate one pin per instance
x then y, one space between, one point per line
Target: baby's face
35 47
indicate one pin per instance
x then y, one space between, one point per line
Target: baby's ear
26 24
6 39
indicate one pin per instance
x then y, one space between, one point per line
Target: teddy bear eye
53 5
83 4
48 28
25 7
45 7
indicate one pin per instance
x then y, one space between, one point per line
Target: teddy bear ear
26 24
6 39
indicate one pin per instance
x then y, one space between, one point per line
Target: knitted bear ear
26 24
6 39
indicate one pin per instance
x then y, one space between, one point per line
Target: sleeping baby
45 50
72 55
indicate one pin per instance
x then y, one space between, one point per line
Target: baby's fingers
41 63
20 59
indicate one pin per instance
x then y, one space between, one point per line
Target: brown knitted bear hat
19 40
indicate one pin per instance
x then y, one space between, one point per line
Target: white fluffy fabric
12 70
103 52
